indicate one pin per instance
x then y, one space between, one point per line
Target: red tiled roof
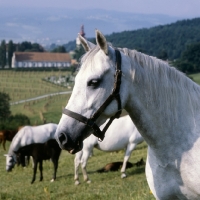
42 56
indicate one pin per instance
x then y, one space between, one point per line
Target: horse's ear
86 44
101 41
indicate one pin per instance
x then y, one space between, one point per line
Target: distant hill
171 39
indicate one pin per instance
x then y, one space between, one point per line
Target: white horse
162 102
26 136
122 134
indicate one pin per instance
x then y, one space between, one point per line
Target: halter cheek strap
114 95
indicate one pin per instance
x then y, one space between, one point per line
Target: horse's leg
54 159
32 161
77 161
35 163
41 168
27 160
85 156
129 149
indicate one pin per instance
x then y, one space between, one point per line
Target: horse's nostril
62 138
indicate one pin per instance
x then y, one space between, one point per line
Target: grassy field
24 85
195 77
16 185
107 186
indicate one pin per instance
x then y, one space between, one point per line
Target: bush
14 122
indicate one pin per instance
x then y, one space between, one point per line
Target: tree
79 51
11 49
192 55
190 59
29 47
15 121
59 49
3 54
4 106
163 55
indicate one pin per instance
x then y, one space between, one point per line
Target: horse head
11 160
96 94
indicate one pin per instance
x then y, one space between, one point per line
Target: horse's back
33 134
122 132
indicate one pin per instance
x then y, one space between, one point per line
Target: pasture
16 185
22 85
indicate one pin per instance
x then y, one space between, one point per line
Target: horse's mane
167 86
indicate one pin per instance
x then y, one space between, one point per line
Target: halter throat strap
114 95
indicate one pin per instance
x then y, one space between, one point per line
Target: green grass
195 77
23 85
48 109
106 186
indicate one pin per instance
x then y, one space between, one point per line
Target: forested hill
171 39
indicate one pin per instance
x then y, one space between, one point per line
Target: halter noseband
114 95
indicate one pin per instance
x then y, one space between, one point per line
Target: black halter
114 95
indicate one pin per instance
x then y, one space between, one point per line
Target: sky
179 8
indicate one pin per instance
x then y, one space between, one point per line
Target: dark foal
40 152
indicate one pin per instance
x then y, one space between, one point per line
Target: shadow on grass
137 170
131 172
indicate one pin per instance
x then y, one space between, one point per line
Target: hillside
171 39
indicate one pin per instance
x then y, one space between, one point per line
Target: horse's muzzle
66 143
8 168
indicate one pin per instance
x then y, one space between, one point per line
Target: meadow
107 186
22 85
16 185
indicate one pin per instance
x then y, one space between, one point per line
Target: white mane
166 85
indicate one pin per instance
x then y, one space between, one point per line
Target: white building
40 59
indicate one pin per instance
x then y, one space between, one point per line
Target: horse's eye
94 83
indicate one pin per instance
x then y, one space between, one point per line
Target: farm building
40 59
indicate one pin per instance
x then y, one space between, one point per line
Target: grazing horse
26 136
162 102
116 138
6 135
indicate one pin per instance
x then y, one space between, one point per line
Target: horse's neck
164 118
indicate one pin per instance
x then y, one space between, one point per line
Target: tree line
177 42
171 39
168 42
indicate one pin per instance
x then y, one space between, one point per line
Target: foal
40 152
